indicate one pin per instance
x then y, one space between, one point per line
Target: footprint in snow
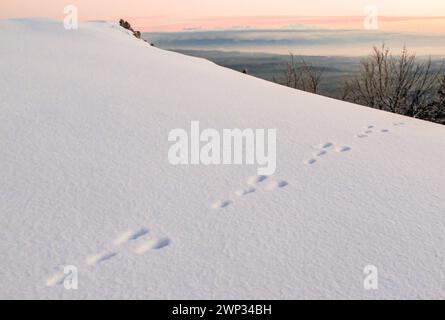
56 279
256 179
245 191
143 243
151 244
276 184
221 204
326 145
271 182
368 130
324 149
342 149
97 258
254 183
310 161
320 153
129 235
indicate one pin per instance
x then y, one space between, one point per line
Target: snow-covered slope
85 180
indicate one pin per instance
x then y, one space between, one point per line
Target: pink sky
176 15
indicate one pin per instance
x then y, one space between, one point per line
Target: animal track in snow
320 153
271 184
143 242
221 204
324 149
256 179
253 184
276 184
129 235
99 257
370 129
326 145
152 244
245 191
56 279
342 149
310 161
140 233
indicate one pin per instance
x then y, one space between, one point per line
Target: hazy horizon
322 42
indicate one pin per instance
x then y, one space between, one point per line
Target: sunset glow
177 15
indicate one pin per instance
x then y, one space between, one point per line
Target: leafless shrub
436 110
398 84
301 75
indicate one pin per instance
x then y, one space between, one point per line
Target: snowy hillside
85 180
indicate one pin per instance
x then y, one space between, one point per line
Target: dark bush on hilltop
126 25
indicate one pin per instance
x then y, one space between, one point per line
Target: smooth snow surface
85 180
